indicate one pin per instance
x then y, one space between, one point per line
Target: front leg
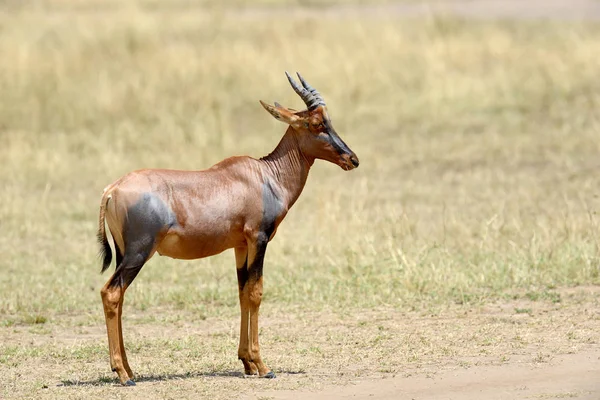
254 287
241 260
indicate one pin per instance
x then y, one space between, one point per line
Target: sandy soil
512 349
568 376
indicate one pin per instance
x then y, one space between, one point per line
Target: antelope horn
308 94
311 89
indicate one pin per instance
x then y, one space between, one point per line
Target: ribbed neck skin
288 166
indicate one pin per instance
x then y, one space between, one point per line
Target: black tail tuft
105 251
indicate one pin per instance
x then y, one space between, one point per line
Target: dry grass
478 142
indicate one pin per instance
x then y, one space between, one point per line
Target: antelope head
315 133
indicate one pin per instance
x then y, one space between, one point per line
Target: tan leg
255 297
241 255
254 288
122 345
111 298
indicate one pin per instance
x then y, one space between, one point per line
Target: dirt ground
528 373
522 348
568 376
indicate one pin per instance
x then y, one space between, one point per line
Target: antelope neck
288 167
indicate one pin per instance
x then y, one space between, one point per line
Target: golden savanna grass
479 177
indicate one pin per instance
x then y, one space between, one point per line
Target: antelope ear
281 113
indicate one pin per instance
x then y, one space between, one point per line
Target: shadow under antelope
238 203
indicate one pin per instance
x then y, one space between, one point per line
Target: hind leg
121 344
119 259
112 299
145 221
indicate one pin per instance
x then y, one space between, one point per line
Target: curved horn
309 95
311 89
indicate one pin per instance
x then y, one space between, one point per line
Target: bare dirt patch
567 376
521 347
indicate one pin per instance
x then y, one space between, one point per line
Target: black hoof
129 383
269 375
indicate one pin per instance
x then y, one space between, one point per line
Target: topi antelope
238 203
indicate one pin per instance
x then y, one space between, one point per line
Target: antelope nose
354 160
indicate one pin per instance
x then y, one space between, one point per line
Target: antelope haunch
238 203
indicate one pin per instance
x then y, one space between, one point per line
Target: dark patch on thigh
129 268
118 253
149 216
146 219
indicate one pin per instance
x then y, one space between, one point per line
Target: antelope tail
105 251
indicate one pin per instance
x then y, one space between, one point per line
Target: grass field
478 189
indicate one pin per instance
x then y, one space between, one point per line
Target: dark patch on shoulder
272 208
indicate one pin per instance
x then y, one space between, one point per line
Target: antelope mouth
349 162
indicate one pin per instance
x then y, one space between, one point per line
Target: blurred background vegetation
478 142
